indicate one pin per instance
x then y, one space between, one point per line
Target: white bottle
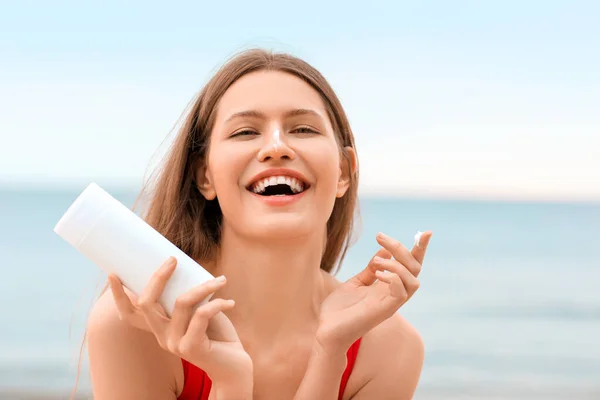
119 242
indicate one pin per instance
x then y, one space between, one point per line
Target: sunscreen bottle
119 242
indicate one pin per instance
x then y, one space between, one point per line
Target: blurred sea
509 306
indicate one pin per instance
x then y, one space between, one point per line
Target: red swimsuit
196 384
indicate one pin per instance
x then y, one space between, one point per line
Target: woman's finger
149 297
409 281
204 313
148 301
185 305
366 277
400 253
398 290
124 306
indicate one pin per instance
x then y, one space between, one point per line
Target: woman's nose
275 147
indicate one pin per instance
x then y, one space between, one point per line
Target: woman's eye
304 129
245 132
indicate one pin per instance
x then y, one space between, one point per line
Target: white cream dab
418 239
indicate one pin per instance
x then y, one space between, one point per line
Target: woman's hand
200 334
373 295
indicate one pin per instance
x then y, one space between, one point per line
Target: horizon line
366 191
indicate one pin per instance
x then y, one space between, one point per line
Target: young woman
260 187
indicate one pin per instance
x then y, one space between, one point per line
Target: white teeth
296 185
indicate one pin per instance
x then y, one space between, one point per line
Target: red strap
351 360
197 384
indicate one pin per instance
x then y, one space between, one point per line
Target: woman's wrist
329 353
323 373
331 345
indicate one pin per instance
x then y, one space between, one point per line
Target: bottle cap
83 214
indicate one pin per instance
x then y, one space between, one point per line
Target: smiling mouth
278 186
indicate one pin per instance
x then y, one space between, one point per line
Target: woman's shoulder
389 360
393 339
117 349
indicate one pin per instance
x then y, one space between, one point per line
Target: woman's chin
282 227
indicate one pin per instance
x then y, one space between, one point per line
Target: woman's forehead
270 92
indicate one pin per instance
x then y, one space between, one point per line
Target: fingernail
382 235
220 279
378 260
382 273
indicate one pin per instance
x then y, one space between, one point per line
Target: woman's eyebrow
302 111
246 114
260 115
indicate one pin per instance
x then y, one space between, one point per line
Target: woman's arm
389 365
132 342
126 362
363 306
323 374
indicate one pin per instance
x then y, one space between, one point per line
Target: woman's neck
278 287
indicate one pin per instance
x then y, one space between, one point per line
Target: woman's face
273 161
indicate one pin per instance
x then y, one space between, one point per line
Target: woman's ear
348 166
203 180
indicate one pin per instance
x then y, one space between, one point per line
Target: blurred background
477 120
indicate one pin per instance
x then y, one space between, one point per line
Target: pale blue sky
464 98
